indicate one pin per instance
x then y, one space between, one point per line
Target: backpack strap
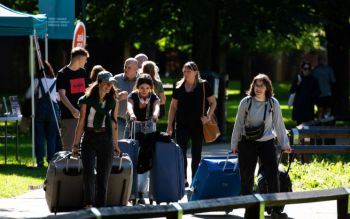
43 89
249 102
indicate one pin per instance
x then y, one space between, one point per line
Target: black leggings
96 145
183 135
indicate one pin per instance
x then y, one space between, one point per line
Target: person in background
125 83
306 89
259 107
141 58
46 115
143 106
71 84
186 108
326 79
94 71
98 114
149 67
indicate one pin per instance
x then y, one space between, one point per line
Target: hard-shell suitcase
63 184
131 147
168 174
120 181
216 177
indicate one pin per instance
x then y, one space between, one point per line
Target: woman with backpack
258 120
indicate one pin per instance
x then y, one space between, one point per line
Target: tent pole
46 47
31 70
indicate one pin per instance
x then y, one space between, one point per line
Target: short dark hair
267 82
144 79
78 51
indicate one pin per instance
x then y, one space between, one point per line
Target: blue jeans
121 128
45 129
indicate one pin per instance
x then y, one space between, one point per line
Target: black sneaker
279 215
141 200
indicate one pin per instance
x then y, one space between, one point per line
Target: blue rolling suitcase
131 147
216 177
167 175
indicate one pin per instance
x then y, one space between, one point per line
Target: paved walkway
33 204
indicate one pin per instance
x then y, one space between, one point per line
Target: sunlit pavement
33 204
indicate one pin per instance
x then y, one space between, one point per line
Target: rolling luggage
216 177
120 181
168 174
131 147
284 181
64 183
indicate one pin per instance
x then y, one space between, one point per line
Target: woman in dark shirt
186 106
306 89
98 114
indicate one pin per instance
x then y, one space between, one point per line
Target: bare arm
68 104
171 115
162 98
79 130
130 109
156 109
210 112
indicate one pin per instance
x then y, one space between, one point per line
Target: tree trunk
246 70
338 57
204 25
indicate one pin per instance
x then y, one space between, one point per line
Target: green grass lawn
17 176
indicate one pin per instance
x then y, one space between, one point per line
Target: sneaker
141 200
186 183
279 215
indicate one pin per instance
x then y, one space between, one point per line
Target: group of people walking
94 113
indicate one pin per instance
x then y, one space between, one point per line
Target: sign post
79 38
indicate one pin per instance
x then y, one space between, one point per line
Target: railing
256 201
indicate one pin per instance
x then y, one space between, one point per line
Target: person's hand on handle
169 130
123 95
75 150
132 117
287 149
235 151
205 119
116 148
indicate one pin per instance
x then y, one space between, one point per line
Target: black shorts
324 102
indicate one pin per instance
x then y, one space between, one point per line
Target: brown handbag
211 130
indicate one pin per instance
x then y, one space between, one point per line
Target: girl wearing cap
143 106
98 114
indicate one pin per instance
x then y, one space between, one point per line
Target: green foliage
311 176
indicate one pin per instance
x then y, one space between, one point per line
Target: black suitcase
284 181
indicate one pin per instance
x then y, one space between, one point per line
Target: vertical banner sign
61 16
79 38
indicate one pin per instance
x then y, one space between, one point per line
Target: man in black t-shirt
71 84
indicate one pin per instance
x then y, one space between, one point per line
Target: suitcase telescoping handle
227 157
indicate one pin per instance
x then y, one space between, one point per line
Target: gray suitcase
120 181
63 184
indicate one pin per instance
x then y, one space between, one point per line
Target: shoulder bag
211 130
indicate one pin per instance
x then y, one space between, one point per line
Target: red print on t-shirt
77 86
